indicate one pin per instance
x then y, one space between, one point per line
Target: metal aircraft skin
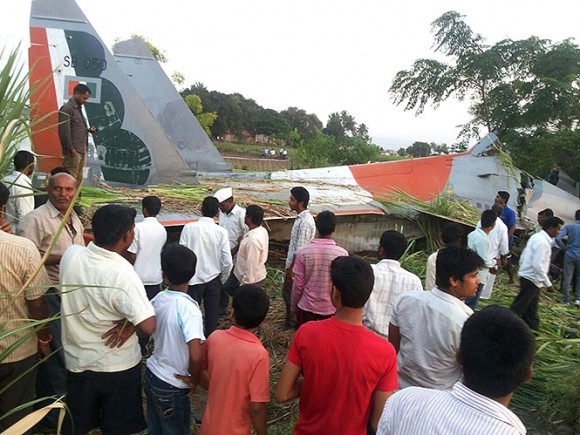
474 176
147 135
136 144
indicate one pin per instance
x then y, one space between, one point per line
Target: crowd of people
373 351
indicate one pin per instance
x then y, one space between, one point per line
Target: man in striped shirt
391 280
20 345
303 231
496 353
312 284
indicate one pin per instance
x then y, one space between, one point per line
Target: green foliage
159 54
419 149
269 122
307 124
14 95
178 78
327 150
515 87
318 152
562 398
205 119
559 147
234 112
386 158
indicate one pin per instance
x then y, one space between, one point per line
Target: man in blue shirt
571 233
509 219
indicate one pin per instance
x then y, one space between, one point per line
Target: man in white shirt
303 231
103 304
250 265
479 241
451 235
21 200
499 245
391 280
210 244
232 219
425 326
496 354
145 251
533 273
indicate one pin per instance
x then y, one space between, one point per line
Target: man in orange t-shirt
235 369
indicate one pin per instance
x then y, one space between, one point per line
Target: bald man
40 226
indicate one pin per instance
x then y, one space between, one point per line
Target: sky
318 55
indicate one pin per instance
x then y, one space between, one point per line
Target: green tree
439 149
328 150
307 124
178 78
519 89
14 109
205 119
344 124
419 149
334 125
269 122
159 54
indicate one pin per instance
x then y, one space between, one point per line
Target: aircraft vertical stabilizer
163 100
131 147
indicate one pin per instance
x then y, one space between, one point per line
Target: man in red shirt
342 372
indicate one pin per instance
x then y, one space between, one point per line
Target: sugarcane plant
15 127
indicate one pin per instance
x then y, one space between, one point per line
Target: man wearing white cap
231 218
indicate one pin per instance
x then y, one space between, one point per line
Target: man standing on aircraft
73 132
303 231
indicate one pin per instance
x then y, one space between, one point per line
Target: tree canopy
523 90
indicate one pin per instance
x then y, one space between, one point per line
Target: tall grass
15 127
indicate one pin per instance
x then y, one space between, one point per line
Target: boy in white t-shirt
173 369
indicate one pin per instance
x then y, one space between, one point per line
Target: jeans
51 379
168 407
571 267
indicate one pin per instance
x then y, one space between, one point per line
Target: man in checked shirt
303 232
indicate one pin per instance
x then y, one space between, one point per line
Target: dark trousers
210 293
233 284
20 392
287 297
109 400
226 291
51 379
526 303
307 316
